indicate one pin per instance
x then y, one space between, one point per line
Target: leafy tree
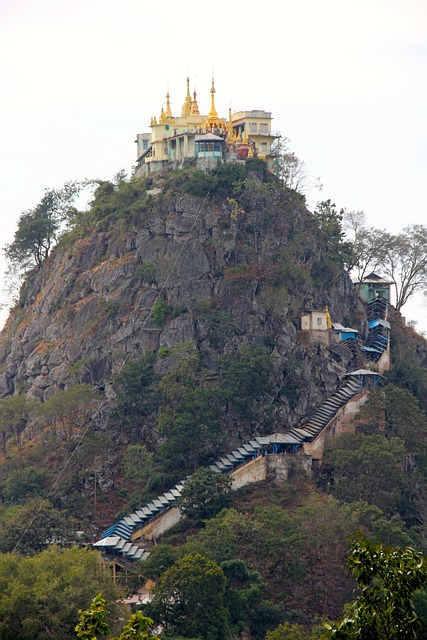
246 378
38 228
243 591
287 631
334 248
92 623
389 579
137 396
204 494
367 468
189 599
15 412
396 413
68 408
31 527
22 483
404 260
40 595
138 467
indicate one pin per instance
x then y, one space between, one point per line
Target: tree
92 623
291 170
137 395
389 578
31 527
40 595
367 243
189 599
15 412
138 467
404 260
204 494
68 408
22 483
368 468
38 228
335 249
402 257
287 631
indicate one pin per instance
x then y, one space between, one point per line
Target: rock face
183 270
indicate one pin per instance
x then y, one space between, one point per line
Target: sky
345 81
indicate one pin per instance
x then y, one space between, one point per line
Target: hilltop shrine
203 140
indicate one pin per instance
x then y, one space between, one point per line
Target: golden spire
162 119
186 107
230 135
168 111
194 106
212 115
245 137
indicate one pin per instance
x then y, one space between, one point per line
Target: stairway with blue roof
116 542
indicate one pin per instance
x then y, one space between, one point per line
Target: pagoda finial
213 113
194 106
186 107
162 118
168 111
230 135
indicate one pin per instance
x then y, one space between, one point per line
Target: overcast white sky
344 79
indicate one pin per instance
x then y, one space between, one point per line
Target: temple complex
203 140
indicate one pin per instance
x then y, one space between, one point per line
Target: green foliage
121 199
161 311
389 579
68 408
243 592
137 395
40 595
287 631
38 228
336 253
29 528
204 494
92 623
247 377
367 468
189 599
219 184
15 412
139 464
21 484
146 272
396 412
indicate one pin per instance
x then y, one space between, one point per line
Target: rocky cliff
152 266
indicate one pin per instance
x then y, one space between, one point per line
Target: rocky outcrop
184 270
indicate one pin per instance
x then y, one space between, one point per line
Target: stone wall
281 468
341 423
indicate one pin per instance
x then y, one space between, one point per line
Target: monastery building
204 140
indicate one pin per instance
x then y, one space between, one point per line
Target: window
145 144
252 127
263 146
263 127
319 321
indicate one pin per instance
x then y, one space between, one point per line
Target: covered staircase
123 540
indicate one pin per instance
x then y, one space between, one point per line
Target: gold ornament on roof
194 106
186 107
168 111
213 115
